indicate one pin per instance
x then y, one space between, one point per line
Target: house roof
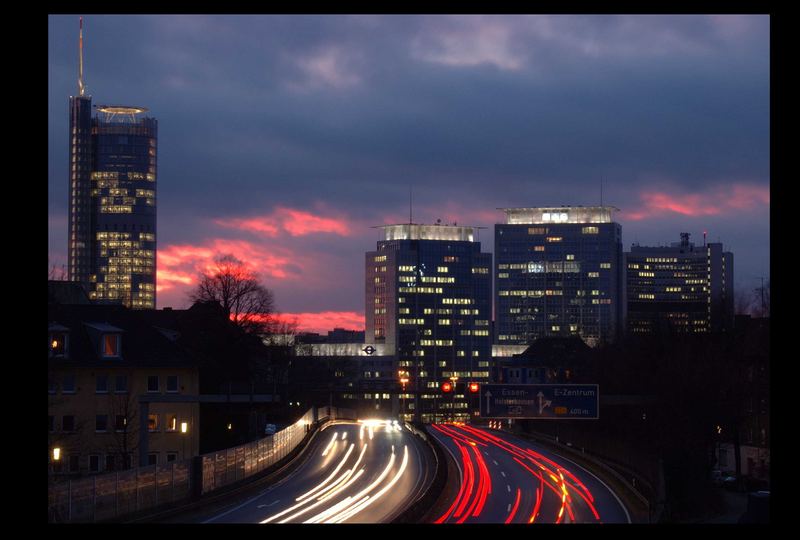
142 343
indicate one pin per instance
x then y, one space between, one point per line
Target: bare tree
124 409
231 283
742 302
761 299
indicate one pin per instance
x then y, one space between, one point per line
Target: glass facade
113 201
681 288
428 299
558 273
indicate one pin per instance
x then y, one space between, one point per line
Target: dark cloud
347 112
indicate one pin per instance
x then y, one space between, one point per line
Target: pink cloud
295 222
720 200
323 321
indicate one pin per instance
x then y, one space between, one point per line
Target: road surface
505 479
357 472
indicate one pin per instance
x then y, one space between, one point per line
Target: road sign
541 401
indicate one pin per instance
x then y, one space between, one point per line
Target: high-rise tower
112 217
428 302
558 273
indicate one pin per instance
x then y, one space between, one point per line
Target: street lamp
403 381
453 379
184 431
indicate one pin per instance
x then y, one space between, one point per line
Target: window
120 422
68 423
172 383
102 384
109 462
152 422
51 423
74 463
152 383
110 344
51 386
94 463
121 384
58 344
101 422
152 458
172 456
68 384
128 461
171 423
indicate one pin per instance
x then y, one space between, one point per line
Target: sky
283 140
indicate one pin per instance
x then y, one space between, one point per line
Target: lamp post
453 379
403 374
184 432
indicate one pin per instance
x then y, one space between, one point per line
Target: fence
110 495
113 495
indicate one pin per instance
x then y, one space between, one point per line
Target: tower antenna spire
601 191
81 87
410 207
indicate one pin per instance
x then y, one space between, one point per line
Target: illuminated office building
681 288
112 216
429 304
558 272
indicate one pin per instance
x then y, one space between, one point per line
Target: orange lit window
111 345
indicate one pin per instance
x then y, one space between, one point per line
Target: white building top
414 231
558 214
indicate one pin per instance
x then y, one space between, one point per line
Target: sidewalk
735 506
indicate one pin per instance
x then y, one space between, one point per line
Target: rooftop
415 231
558 214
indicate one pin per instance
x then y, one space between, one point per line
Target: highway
356 472
505 479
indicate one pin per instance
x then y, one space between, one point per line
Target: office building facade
558 272
112 201
680 288
428 303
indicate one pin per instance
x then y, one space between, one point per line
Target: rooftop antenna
81 87
410 207
601 191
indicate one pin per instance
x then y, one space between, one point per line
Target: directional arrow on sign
488 395
543 402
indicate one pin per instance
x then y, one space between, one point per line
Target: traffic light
473 387
447 386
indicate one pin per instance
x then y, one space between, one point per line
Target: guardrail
110 496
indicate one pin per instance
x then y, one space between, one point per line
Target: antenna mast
81 87
410 207
601 191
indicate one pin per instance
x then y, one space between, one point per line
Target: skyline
319 136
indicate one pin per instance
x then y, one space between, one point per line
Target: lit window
58 344
171 423
152 422
111 345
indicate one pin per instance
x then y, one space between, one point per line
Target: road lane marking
508 508
495 462
504 474
509 488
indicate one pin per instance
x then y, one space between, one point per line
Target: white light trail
333 440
